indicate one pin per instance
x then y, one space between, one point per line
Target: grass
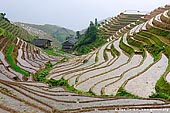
51 52
12 63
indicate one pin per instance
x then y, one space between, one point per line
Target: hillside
131 71
57 32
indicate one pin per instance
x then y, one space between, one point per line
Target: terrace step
145 82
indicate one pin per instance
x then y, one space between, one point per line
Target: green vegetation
5 33
2 17
135 43
153 37
160 32
2 32
141 38
163 86
63 82
126 48
13 30
97 58
51 52
11 61
114 50
105 55
167 51
155 50
41 75
159 95
9 35
92 39
122 92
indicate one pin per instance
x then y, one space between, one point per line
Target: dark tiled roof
40 42
72 40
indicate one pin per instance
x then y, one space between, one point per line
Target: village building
69 44
43 43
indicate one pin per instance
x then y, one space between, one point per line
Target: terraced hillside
20 60
13 29
131 71
134 64
115 26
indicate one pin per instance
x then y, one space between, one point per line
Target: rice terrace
118 65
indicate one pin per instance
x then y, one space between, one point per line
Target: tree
91 32
91 24
90 40
2 15
96 23
78 34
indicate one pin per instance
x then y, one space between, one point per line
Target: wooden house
43 43
69 44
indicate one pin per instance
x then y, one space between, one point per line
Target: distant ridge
60 33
